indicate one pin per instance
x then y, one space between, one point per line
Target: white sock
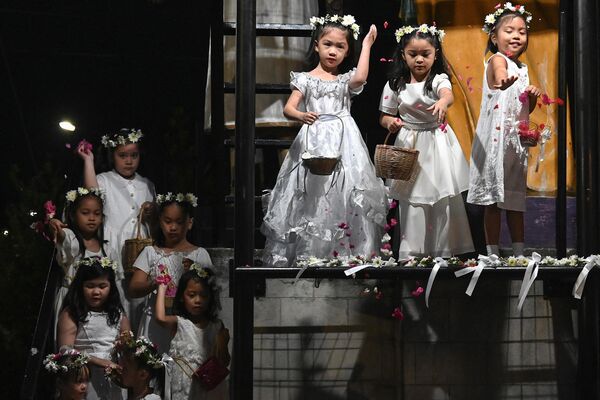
492 249
517 248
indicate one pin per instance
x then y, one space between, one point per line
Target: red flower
50 209
417 292
523 97
85 145
385 25
559 101
546 100
393 204
397 313
393 222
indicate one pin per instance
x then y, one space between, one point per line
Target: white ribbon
353 270
484 261
168 364
530 274
544 137
439 262
591 262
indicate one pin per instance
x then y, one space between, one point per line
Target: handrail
43 326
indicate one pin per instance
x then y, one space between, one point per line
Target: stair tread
280 143
262 88
290 30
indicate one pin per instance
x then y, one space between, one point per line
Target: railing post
243 337
245 84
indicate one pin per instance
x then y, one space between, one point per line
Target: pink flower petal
68 145
385 25
393 204
397 313
524 96
417 292
382 59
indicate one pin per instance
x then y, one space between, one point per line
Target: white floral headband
347 21
65 360
491 19
179 198
424 28
125 136
104 262
72 195
142 348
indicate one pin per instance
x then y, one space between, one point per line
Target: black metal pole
584 93
561 142
244 132
242 384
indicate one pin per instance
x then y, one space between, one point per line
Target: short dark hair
207 283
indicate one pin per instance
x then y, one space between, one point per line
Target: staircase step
289 30
276 143
262 88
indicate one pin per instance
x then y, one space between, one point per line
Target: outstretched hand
370 36
56 229
85 154
440 108
505 83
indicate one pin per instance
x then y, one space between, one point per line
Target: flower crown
141 348
72 195
179 197
203 273
65 360
124 136
491 19
347 21
432 30
104 262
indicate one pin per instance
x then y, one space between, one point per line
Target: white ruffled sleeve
298 81
440 81
346 78
389 100
145 260
201 256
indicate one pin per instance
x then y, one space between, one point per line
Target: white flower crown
491 19
104 262
202 272
124 136
72 195
142 348
347 21
424 28
179 197
65 360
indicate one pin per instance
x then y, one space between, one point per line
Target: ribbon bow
439 262
484 261
591 262
530 274
544 137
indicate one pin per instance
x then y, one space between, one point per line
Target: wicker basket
133 247
393 162
320 165
529 137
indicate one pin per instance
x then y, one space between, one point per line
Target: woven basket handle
179 361
139 224
414 138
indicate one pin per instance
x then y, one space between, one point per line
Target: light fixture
67 126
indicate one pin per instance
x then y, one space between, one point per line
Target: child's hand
85 154
440 108
310 117
395 125
505 83
534 92
370 37
56 228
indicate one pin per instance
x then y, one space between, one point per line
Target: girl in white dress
433 220
72 373
141 364
197 333
339 214
80 236
92 319
171 255
498 178
126 192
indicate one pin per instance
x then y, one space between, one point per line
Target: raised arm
164 320
362 68
89 172
497 74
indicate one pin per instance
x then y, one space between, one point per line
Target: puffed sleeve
202 257
298 81
67 251
102 180
346 78
144 260
389 100
440 81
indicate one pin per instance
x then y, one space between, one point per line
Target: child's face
195 298
174 224
130 374
74 388
95 292
88 215
419 55
127 159
511 36
332 48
